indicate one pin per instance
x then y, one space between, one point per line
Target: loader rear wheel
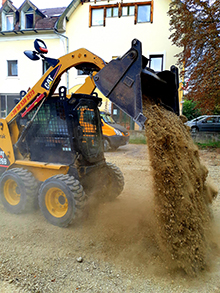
18 190
115 182
104 183
60 198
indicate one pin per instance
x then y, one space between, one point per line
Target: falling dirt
182 191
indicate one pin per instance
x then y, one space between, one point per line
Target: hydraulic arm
49 81
123 81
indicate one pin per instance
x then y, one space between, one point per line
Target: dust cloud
164 224
182 191
123 230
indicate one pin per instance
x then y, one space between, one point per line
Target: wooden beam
90 16
152 11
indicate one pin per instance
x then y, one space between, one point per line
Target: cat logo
47 83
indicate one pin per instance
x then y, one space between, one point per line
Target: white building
104 27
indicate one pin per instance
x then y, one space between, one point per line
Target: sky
43 3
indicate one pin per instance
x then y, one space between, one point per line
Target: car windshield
197 119
107 118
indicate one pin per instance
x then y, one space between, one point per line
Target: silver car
209 123
192 122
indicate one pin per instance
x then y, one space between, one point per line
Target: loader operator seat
57 123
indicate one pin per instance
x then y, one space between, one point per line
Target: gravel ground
111 250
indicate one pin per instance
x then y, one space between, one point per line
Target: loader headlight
117 132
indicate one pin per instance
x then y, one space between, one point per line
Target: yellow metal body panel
40 170
13 127
87 87
6 147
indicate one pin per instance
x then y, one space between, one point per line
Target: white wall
29 72
115 38
112 40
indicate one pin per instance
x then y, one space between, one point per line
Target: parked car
209 123
192 122
114 135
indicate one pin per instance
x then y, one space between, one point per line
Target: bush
209 145
190 110
137 140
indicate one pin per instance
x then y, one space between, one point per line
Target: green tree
190 109
195 27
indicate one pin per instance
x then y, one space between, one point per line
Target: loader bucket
126 79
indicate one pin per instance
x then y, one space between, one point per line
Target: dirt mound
182 193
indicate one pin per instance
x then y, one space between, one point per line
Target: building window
27 17
144 13
9 22
3 107
29 20
97 17
141 11
7 103
12 67
128 11
156 62
112 12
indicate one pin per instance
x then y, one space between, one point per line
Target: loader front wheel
60 199
18 190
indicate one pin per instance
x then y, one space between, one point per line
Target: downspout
59 26
67 51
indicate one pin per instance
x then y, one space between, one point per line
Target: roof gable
60 25
43 19
28 6
8 7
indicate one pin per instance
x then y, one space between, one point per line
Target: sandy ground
112 249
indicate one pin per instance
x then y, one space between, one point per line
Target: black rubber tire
113 149
107 146
194 130
73 199
104 183
115 182
25 189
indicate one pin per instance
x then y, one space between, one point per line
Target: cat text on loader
51 147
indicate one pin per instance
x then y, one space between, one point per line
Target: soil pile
182 192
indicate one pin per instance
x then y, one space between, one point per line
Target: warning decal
4 162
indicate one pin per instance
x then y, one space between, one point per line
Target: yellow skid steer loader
51 147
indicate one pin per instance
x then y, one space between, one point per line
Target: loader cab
65 129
